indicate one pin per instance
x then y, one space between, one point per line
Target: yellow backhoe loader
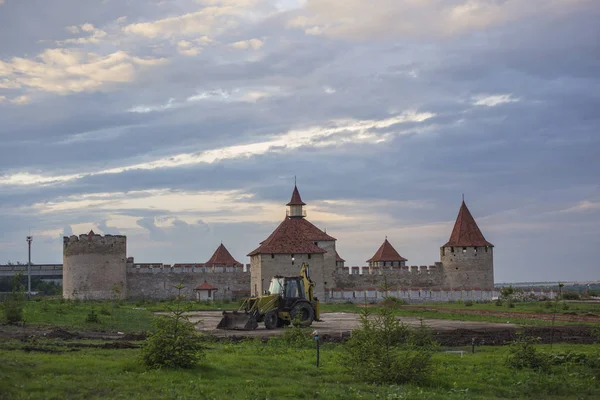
288 300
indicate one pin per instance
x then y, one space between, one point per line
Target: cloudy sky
181 123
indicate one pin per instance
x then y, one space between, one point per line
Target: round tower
467 258
94 267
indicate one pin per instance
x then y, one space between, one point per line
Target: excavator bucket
240 321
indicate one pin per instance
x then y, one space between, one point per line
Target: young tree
175 342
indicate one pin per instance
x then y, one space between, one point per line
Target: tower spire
466 232
296 204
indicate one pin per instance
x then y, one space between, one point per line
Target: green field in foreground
254 370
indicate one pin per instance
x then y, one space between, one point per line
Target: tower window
452 249
292 256
486 249
272 255
309 256
464 249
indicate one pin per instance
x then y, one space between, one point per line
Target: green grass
537 307
136 316
253 370
72 314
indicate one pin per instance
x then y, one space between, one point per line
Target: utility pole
29 240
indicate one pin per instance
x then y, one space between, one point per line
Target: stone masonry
94 267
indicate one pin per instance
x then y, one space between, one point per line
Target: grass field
73 314
131 316
254 370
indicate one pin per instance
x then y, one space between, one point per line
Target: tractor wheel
302 314
271 320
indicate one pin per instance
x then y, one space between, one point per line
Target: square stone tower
295 241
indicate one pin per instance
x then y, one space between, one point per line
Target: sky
182 123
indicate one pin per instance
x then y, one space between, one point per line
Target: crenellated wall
158 281
407 276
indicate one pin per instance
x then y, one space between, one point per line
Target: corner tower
467 257
94 267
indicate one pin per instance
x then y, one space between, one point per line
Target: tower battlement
94 266
92 243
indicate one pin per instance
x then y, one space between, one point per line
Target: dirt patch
336 327
499 337
563 317
60 334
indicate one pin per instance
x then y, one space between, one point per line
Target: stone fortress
97 267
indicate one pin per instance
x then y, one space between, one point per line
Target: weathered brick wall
328 271
397 277
159 283
94 267
468 268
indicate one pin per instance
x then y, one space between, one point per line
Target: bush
570 296
105 311
92 317
523 354
498 302
378 352
297 336
14 303
468 303
174 343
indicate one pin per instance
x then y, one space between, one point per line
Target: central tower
295 241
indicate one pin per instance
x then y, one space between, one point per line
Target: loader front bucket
241 321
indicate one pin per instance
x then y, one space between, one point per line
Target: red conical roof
386 252
338 258
221 256
296 199
466 233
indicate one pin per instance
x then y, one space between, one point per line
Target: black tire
302 314
271 320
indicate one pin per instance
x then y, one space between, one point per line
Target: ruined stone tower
94 267
468 258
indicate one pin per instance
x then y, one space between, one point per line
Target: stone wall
424 295
159 283
423 276
326 276
94 267
468 267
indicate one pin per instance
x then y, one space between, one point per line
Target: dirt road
337 327
335 324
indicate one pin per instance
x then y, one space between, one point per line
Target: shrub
378 352
297 336
174 343
523 354
468 303
570 296
105 311
92 317
498 302
14 303
511 305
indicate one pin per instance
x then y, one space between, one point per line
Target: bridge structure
47 272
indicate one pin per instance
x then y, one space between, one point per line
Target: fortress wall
424 276
158 283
